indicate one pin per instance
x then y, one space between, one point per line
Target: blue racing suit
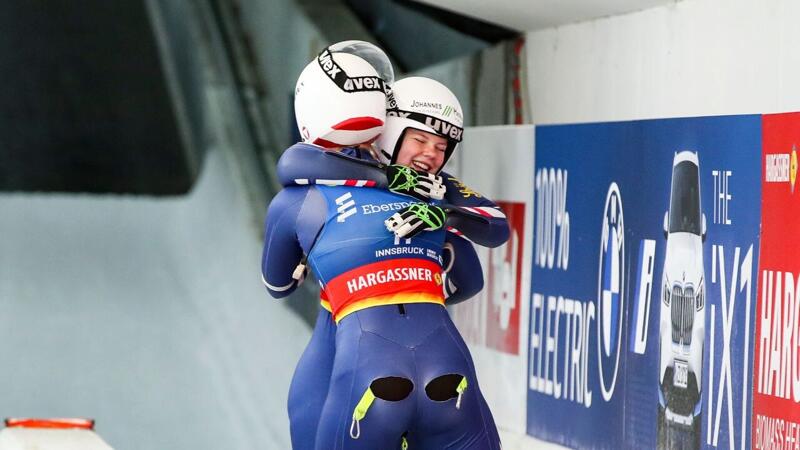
400 366
309 384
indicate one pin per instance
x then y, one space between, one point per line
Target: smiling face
422 150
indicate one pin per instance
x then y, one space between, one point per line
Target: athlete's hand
420 185
414 219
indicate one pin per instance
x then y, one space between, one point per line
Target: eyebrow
424 135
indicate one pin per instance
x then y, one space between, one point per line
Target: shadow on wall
85 102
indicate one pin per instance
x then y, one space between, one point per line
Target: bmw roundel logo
611 292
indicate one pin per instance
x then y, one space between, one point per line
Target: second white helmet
340 97
423 104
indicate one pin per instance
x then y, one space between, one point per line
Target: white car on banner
682 323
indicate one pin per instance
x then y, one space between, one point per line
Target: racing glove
416 218
420 185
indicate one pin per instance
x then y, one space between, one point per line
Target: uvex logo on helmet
345 82
356 84
444 128
439 126
397 113
391 103
327 64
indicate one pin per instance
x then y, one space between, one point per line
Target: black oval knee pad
392 389
443 388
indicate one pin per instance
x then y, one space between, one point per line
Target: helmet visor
366 51
370 53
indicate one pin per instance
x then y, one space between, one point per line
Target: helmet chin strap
451 148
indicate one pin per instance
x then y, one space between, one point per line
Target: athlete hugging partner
385 368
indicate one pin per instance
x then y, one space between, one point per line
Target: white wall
502 375
692 58
525 15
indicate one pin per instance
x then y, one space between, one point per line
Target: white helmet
340 97
423 104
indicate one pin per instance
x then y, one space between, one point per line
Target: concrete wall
284 41
480 81
696 57
284 38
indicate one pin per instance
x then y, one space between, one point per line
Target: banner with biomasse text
776 368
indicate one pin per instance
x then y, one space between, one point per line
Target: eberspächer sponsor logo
346 207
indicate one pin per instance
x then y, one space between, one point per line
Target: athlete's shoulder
304 164
299 149
293 157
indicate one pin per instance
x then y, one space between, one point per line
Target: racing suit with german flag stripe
400 366
309 384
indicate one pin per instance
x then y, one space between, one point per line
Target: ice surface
147 315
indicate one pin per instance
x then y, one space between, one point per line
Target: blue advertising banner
643 283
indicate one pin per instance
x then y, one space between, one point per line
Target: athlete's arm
472 215
282 249
468 212
464 274
303 164
464 212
